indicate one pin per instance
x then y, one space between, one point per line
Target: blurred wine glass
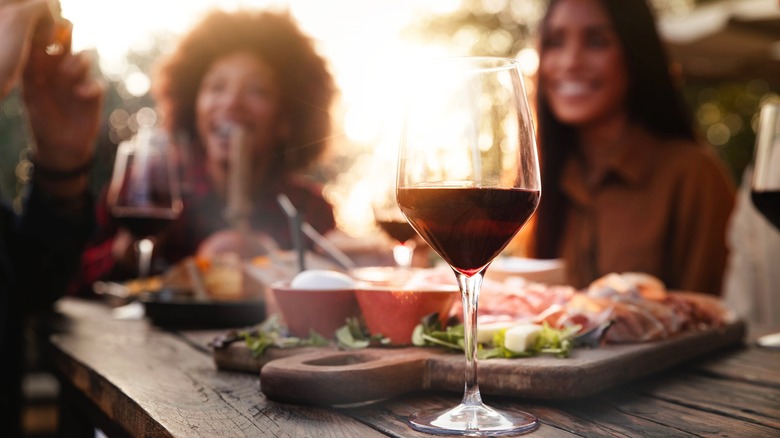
389 218
765 185
468 180
144 196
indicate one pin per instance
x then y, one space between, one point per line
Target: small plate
769 341
173 309
548 271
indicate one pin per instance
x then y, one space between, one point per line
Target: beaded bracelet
50 174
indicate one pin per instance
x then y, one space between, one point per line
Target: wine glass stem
145 248
402 253
469 288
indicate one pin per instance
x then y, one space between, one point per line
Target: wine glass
467 181
144 195
765 185
390 219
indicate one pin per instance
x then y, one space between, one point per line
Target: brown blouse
661 207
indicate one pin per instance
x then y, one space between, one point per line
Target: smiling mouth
573 89
222 133
226 130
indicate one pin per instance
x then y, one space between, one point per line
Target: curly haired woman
256 71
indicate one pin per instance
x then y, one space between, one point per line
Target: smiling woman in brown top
626 186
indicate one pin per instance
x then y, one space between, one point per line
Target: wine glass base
478 420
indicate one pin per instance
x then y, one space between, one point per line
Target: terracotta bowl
395 311
321 310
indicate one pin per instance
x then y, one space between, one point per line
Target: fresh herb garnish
430 332
354 334
550 340
272 333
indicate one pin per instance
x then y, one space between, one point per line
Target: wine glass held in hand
765 186
144 196
468 181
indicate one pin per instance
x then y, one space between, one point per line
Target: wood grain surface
150 383
730 393
130 378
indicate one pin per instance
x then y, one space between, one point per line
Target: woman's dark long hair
654 101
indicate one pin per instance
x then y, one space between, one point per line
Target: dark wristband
70 206
50 174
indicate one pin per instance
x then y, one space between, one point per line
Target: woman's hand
20 23
64 103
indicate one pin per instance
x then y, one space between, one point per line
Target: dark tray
172 309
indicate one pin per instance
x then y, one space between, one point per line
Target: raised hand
21 22
64 102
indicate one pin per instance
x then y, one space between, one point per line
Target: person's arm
46 243
705 202
63 102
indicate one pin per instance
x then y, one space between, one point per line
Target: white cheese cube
521 338
486 331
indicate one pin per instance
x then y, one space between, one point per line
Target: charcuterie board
328 376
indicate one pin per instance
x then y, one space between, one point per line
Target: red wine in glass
765 185
390 220
468 181
142 223
397 229
768 203
468 227
144 196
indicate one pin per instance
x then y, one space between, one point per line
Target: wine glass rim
481 63
774 104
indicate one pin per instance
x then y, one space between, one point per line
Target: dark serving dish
173 309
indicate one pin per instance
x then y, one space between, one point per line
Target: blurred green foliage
15 139
727 114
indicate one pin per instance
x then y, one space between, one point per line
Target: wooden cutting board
327 376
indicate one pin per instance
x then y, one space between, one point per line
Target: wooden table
132 379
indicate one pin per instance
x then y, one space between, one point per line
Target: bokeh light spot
718 134
708 114
137 83
529 61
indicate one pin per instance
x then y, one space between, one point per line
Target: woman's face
238 90
582 69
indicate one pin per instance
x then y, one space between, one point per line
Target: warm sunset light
363 40
389 218
353 34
